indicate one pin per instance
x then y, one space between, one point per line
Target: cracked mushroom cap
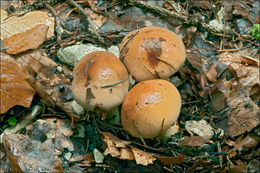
150 108
155 52
100 80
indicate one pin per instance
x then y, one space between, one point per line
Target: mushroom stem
113 84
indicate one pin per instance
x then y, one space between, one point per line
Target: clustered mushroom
100 80
150 55
152 52
150 108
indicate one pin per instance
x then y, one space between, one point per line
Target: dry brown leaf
194 141
246 143
219 93
52 86
142 157
126 154
247 68
195 59
212 73
114 144
245 114
30 39
14 88
83 160
16 24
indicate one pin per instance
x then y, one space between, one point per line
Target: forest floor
42 129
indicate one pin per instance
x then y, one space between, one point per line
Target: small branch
92 30
35 6
186 19
220 157
57 20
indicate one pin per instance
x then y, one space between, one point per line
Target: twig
229 160
35 6
114 84
161 131
186 19
220 157
110 126
92 30
139 133
96 125
57 20
168 169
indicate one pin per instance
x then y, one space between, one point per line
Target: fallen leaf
114 144
212 73
201 128
195 59
84 160
243 10
245 114
142 157
30 39
194 141
17 24
246 68
219 92
24 153
246 143
240 166
126 154
14 88
52 86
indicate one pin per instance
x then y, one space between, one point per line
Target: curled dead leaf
30 39
14 88
142 157
26 22
245 114
122 150
246 68
114 144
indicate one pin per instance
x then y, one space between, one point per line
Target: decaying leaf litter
217 130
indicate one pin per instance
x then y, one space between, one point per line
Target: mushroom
150 108
155 52
100 80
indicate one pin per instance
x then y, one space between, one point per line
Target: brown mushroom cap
92 73
152 52
150 107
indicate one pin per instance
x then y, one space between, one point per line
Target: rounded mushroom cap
155 52
91 76
150 107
